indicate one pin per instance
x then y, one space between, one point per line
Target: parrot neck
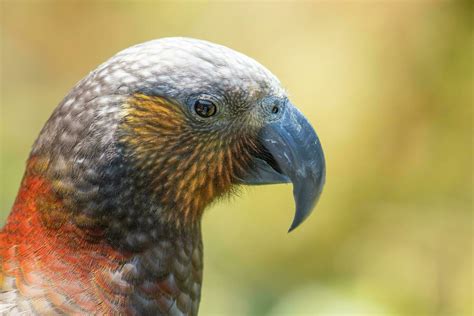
110 203
117 210
155 268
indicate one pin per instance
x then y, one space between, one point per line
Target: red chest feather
46 257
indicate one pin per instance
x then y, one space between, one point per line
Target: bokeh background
388 87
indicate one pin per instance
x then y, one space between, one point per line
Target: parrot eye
205 108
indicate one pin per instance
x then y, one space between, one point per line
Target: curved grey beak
293 153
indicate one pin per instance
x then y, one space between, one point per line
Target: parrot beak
294 154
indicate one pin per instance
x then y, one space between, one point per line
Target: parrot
107 219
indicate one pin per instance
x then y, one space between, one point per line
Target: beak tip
297 221
292 228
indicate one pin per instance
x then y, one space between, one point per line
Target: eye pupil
205 108
275 109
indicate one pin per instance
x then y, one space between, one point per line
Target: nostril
275 109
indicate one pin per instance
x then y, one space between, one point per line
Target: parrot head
220 119
174 124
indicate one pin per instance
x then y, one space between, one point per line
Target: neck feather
154 270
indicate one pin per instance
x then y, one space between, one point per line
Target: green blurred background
388 87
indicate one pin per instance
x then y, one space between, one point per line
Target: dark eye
205 108
275 109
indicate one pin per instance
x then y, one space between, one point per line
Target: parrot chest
53 270
163 280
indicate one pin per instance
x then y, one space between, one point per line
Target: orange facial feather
199 165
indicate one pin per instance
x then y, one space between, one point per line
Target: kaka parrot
107 219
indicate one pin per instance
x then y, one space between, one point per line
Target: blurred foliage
388 87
